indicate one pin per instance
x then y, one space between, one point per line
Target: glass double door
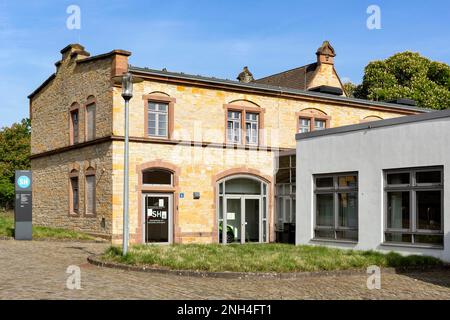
242 222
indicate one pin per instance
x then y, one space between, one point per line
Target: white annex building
380 185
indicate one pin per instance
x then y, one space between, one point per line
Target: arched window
242 209
157 177
74 190
90 191
312 119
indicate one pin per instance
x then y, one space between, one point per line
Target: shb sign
23 182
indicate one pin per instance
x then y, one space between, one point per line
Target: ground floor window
90 191
414 206
285 198
74 193
336 206
242 210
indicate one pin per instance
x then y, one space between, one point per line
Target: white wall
369 152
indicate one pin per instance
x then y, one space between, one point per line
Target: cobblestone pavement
37 270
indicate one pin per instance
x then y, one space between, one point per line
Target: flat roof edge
376 124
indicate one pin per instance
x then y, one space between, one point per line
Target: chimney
75 51
325 54
245 76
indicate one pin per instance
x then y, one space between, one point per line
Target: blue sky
215 38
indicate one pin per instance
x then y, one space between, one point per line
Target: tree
14 155
407 75
349 88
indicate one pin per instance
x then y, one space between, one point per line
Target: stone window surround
74 173
160 97
90 101
74 107
90 171
173 189
243 110
370 118
312 115
251 172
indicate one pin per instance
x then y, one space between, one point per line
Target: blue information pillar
23 206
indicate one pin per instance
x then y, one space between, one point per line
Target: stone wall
51 189
199 113
198 171
74 82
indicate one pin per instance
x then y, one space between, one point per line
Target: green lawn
259 258
7 230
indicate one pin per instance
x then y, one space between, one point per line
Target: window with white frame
251 128
157 177
336 206
304 125
414 206
158 119
320 124
234 127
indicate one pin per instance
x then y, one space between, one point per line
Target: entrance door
157 218
242 221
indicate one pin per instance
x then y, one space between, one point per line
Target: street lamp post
127 94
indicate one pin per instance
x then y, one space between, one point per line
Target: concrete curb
95 260
57 240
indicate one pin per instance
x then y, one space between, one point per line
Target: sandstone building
210 159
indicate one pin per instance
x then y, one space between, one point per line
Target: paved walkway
37 270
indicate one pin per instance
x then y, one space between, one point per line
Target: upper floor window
74 126
336 206
251 128
90 191
158 119
90 121
414 206
310 120
234 127
304 125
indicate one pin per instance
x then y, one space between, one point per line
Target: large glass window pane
326 182
429 210
324 234
347 182
243 186
429 239
283 176
319 124
398 210
75 194
75 126
348 210
304 125
347 235
325 209
157 177
398 237
398 178
428 176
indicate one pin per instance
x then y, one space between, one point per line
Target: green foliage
349 89
407 75
14 155
260 258
7 230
